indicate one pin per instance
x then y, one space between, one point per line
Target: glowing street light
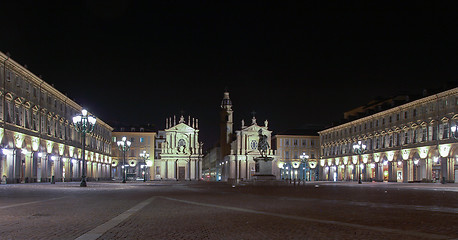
359 149
144 155
124 146
304 159
454 129
84 124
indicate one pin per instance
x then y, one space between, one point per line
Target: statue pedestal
263 169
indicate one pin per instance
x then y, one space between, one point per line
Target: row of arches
25 158
426 163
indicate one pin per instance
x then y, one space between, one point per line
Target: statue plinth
264 169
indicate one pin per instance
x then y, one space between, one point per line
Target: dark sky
293 63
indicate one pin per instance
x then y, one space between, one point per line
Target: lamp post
124 146
144 155
359 149
304 159
84 124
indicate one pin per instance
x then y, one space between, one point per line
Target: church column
166 169
239 144
189 169
176 169
240 168
247 168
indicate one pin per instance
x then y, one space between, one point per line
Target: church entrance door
181 173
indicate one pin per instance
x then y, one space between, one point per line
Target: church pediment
181 127
255 129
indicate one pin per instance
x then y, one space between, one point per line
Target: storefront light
436 159
6 151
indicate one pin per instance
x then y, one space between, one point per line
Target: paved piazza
200 210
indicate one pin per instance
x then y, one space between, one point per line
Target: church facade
239 150
181 152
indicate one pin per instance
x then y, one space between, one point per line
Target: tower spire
226 125
226 103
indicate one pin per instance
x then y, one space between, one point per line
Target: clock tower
226 125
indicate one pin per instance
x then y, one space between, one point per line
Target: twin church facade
415 141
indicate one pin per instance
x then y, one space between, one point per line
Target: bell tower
226 125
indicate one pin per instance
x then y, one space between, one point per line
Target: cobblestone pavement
191 210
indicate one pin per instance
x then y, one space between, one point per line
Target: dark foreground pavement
177 210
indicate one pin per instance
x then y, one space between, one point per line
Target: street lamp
84 123
454 129
144 155
359 149
304 159
124 146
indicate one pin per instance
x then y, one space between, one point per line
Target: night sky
292 63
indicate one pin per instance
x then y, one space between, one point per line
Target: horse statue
263 145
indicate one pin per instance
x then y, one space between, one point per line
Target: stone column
444 169
405 170
429 168
451 170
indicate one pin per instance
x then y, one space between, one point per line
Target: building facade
298 153
239 151
210 168
410 142
181 155
38 140
136 166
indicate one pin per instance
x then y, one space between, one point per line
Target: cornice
400 108
44 85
